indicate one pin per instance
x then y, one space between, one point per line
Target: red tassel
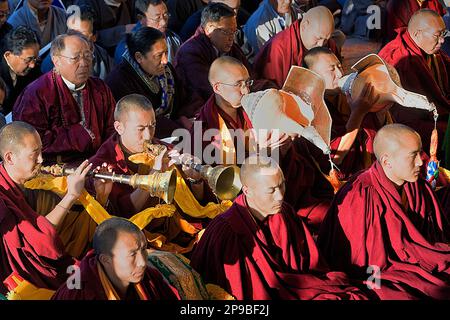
334 180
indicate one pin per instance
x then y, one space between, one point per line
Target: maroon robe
284 50
354 160
368 225
209 118
399 12
48 105
153 283
306 188
192 64
405 55
273 259
30 245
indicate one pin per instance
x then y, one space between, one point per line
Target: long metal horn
158 184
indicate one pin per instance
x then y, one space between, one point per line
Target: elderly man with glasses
72 111
20 49
153 14
423 68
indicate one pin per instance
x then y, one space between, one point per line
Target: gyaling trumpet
158 184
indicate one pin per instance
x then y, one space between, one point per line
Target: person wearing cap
288 47
387 223
353 125
423 68
259 249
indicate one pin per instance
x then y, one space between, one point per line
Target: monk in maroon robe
398 13
288 47
117 268
211 40
388 217
259 248
72 112
353 125
30 245
306 188
418 48
135 124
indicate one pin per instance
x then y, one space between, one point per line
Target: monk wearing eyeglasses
72 111
423 68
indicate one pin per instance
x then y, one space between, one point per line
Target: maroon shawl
284 50
48 105
154 285
273 259
368 225
29 243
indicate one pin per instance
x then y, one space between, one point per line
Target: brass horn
158 184
223 180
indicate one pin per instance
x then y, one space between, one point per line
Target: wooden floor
356 48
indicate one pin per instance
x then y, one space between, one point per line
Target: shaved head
255 167
228 78
220 66
12 136
316 27
107 232
389 138
132 102
263 185
398 151
426 28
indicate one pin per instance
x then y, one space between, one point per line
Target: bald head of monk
21 151
398 148
230 81
427 29
316 27
121 249
135 122
263 186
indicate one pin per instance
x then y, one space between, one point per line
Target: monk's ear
215 87
245 190
104 259
8 158
7 54
385 161
119 127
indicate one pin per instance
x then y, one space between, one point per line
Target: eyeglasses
30 60
227 33
165 16
240 84
4 14
443 34
88 56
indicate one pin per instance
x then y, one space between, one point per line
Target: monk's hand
75 181
103 187
181 160
366 100
161 161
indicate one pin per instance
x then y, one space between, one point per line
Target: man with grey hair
117 268
72 111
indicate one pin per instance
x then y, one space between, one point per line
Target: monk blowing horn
158 184
386 81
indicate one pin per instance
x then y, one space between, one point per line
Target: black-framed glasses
159 18
88 56
240 84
